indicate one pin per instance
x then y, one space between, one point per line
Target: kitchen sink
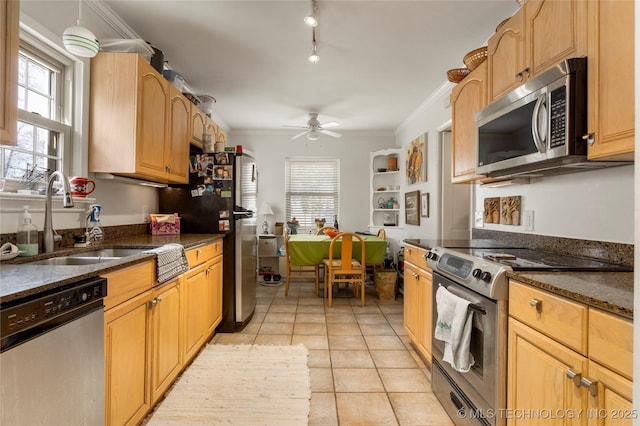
89 257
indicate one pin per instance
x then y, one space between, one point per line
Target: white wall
271 149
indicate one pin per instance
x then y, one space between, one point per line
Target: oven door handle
477 308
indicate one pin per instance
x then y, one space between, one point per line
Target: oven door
480 383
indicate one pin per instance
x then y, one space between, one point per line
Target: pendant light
79 40
313 55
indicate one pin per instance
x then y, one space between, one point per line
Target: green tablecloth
312 249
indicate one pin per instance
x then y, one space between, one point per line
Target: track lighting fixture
311 19
313 55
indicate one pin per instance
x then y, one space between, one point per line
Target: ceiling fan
313 129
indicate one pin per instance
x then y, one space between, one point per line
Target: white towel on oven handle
453 327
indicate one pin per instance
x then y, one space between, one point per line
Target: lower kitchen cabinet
214 292
418 298
128 398
165 347
194 304
610 397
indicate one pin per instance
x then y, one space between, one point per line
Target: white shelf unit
385 184
269 260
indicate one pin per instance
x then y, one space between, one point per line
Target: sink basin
110 252
89 257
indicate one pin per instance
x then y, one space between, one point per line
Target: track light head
311 19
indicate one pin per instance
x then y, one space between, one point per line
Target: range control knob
486 277
476 273
432 255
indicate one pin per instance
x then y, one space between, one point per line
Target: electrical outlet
527 220
479 219
145 214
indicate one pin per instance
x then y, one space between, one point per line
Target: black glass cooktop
521 259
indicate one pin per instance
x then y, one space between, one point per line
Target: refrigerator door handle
243 214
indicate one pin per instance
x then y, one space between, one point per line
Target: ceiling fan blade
330 124
300 134
295 127
330 133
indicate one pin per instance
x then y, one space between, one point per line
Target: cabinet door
411 301
537 377
127 388
214 294
505 58
467 97
555 30
153 94
611 80
610 401
176 154
9 16
198 120
194 293
211 129
166 348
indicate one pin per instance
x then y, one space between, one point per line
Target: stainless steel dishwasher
52 366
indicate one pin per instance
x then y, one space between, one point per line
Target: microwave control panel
558 117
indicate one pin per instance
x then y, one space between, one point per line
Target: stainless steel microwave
537 129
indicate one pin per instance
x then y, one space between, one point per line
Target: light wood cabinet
9 44
165 343
592 382
418 296
538 378
176 153
194 304
198 125
611 70
128 396
131 129
214 294
467 97
537 37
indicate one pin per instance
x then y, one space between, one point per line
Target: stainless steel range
479 275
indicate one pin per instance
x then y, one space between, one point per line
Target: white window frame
312 189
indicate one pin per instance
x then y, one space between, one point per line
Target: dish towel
171 261
453 327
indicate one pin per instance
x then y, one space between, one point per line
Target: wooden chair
371 268
345 269
322 231
300 272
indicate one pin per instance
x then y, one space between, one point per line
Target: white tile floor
363 368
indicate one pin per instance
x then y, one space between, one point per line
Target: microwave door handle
535 124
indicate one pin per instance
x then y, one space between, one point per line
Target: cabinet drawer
415 255
267 246
201 254
126 283
559 318
611 342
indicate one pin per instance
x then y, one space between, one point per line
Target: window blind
312 190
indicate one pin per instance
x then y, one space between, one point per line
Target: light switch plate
479 221
145 214
527 220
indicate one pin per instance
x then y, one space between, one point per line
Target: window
44 135
312 190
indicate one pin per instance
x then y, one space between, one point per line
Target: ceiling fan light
313 135
311 20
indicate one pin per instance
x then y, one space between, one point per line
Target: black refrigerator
221 198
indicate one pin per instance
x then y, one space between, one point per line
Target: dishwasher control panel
32 312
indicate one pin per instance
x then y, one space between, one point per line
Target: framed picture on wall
412 208
424 205
417 160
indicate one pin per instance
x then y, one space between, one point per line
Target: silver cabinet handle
590 385
153 302
575 377
416 276
159 299
590 138
536 304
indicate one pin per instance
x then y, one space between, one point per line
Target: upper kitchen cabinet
537 37
177 148
611 80
198 126
9 41
131 129
467 97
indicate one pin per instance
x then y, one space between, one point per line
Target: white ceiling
379 60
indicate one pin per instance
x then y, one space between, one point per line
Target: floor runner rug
240 385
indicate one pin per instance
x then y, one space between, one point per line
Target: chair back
382 234
346 249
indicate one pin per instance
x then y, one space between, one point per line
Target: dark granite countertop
18 278
609 291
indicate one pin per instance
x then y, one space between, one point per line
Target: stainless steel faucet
50 235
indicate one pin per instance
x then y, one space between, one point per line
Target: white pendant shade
80 41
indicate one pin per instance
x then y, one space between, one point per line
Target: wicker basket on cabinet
456 75
474 58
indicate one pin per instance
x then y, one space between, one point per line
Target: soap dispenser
95 232
27 235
